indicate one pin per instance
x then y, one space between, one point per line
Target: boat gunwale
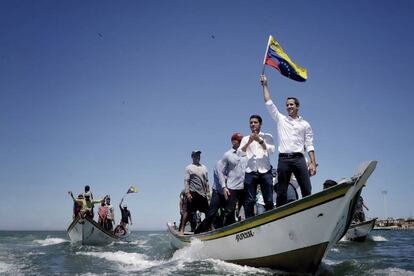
292 208
95 224
363 223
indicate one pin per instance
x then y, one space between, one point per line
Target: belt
291 155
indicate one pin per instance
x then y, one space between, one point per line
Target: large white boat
360 231
86 231
294 237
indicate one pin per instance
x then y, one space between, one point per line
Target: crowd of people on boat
244 177
83 207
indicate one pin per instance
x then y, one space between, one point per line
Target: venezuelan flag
278 59
132 189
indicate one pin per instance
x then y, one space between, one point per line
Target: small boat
86 231
294 237
360 231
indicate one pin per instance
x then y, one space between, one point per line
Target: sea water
150 253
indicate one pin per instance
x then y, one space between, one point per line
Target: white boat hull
360 231
88 232
294 237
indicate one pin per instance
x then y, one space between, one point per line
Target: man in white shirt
295 136
257 147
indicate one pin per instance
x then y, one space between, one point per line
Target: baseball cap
195 152
237 136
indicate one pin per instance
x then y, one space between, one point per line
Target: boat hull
88 232
360 231
294 237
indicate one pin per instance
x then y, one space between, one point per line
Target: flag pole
265 55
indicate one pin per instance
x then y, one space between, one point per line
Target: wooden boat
360 231
86 231
293 238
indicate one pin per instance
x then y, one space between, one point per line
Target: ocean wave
331 262
392 271
190 253
126 261
50 241
378 238
4 267
222 267
336 250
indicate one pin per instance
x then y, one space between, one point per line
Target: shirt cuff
269 102
310 148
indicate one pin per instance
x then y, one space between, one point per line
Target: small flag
278 59
132 189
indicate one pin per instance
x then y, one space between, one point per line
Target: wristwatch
261 142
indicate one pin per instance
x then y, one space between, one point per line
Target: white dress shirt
295 134
257 157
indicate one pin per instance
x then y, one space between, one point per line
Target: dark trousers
217 201
286 166
251 180
230 207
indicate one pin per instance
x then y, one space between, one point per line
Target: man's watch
261 142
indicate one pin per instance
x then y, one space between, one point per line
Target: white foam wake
331 262
224 268
126 261
5 267
50 241
392 271
378 238
194 253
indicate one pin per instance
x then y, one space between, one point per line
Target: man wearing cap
257 147
196 188
228 185
232 178
295 136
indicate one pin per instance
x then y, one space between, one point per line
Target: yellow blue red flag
132 189
278 59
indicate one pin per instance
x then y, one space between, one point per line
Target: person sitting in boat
110 215
196 188
102 214
329 183
359 215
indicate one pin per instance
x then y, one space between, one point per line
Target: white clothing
258 158
295 134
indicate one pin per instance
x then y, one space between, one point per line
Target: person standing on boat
217 202
257 147
295 136
110 215
359 215
125 214
196 188
87 204
232 178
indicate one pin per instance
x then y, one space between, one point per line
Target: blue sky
112 93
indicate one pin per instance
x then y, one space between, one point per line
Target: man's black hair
255 116
87 188
294 99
